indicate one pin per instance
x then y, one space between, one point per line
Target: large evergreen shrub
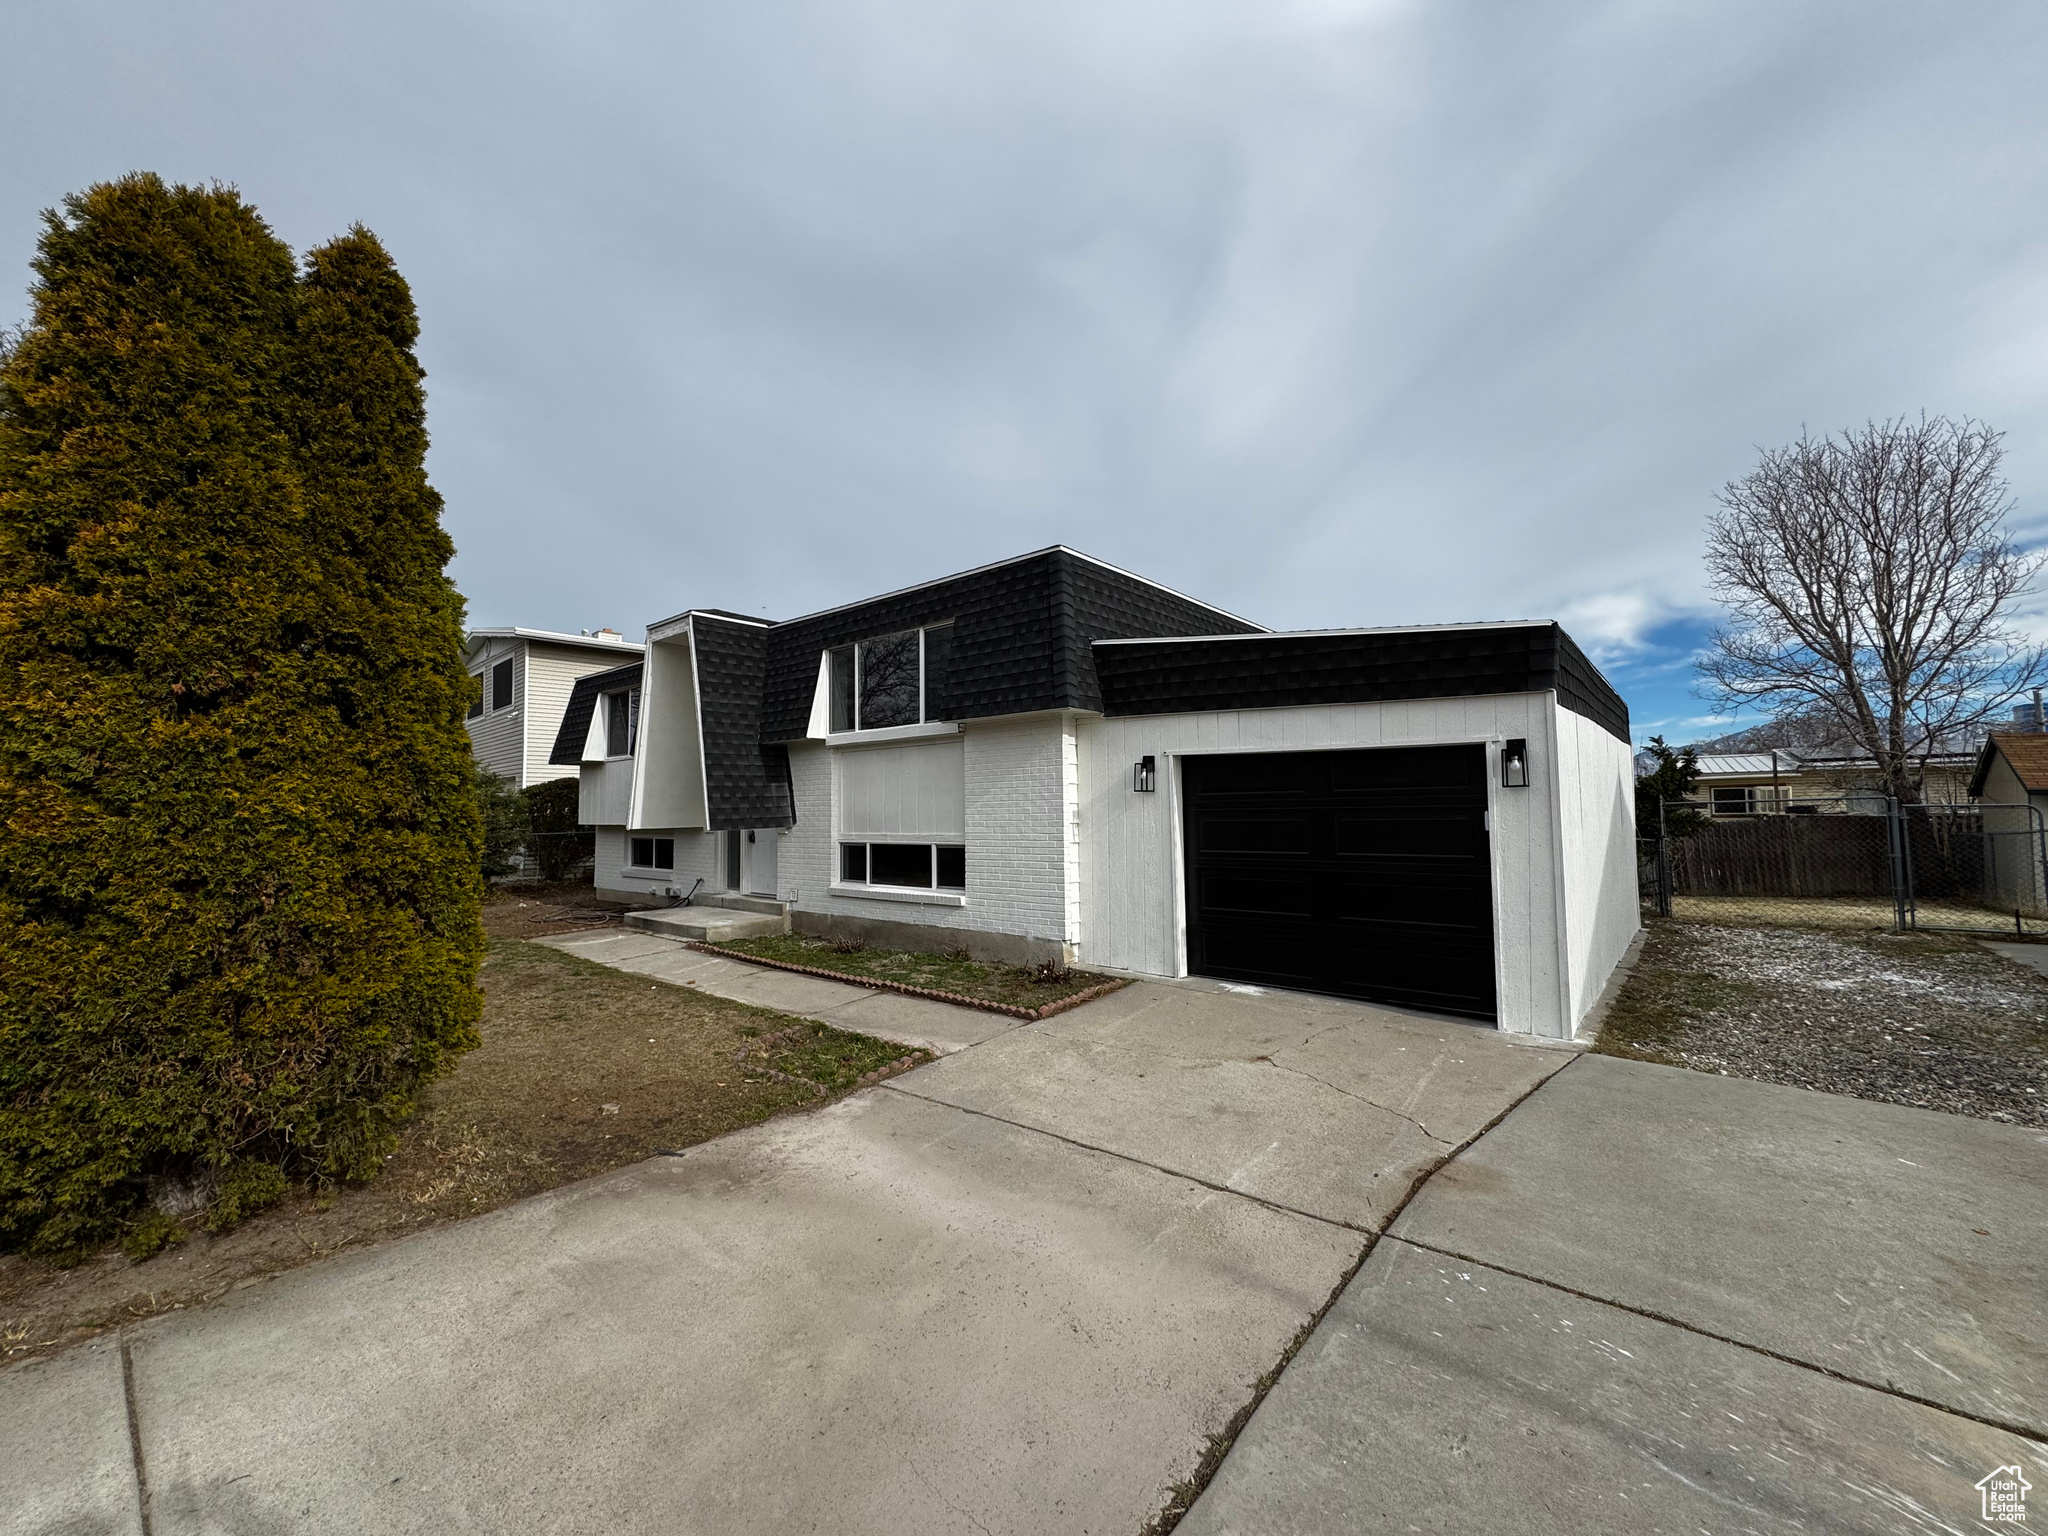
238 843
559 841
503 809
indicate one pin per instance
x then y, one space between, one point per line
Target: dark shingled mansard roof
1056 629
1171 677
575 729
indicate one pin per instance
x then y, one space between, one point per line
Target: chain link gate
1851 861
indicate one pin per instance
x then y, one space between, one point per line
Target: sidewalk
938 1027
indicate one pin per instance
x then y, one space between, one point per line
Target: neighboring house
2010 786
1817 779
2012 770
524 679
1050 759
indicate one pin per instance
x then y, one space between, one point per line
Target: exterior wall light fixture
1144 777
1514 763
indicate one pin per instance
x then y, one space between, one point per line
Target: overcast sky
1330 313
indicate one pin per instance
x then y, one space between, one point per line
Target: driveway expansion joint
135 1435
1174 1173
2033 1434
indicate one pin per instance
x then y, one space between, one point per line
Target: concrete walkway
1012 1291
1655 1300
938 1027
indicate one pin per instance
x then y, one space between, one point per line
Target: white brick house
1050 758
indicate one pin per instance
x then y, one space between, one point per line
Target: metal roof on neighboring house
1727 764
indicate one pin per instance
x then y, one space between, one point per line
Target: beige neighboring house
1761 783
525 677
2013 770
2010 786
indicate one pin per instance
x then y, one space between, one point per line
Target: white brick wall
698 854
1023 874
1020 826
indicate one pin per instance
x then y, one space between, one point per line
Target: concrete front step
711 925
735 902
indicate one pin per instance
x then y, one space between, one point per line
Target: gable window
621 722
889 680
476 705
651 853
913 866
501 685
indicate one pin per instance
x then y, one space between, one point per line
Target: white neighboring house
1050 759
525 677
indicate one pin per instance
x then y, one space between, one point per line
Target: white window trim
604 700
650 870
931 895
886 733
917 895
821 698
490 669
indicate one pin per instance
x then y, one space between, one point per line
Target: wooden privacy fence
1930 865
1822 855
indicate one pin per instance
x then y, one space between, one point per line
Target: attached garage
1363 873
1437 818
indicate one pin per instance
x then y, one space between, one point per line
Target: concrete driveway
1013 1291
1656 1300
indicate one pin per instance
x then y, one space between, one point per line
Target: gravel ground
1919 1019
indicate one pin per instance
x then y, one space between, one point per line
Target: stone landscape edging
958 999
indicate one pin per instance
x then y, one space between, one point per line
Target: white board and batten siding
1596 820
1562 850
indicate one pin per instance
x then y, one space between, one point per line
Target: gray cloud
1331 313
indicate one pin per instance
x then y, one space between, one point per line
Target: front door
757 861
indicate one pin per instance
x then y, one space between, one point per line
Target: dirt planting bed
1929 1020
582 1069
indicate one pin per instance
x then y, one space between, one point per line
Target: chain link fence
1851 861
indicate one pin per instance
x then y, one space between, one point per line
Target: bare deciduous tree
1870 582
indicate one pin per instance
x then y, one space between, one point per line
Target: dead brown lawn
582 1069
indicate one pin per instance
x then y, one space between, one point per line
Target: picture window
910 866
890 680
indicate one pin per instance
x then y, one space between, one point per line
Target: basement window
911 866
651 853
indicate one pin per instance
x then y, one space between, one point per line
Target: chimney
609 634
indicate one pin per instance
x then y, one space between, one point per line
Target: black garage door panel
1363 873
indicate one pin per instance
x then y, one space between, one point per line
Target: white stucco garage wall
1596 818
1132 883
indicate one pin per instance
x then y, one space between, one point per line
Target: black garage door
1360 873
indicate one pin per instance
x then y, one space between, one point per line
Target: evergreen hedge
239 845
558 840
